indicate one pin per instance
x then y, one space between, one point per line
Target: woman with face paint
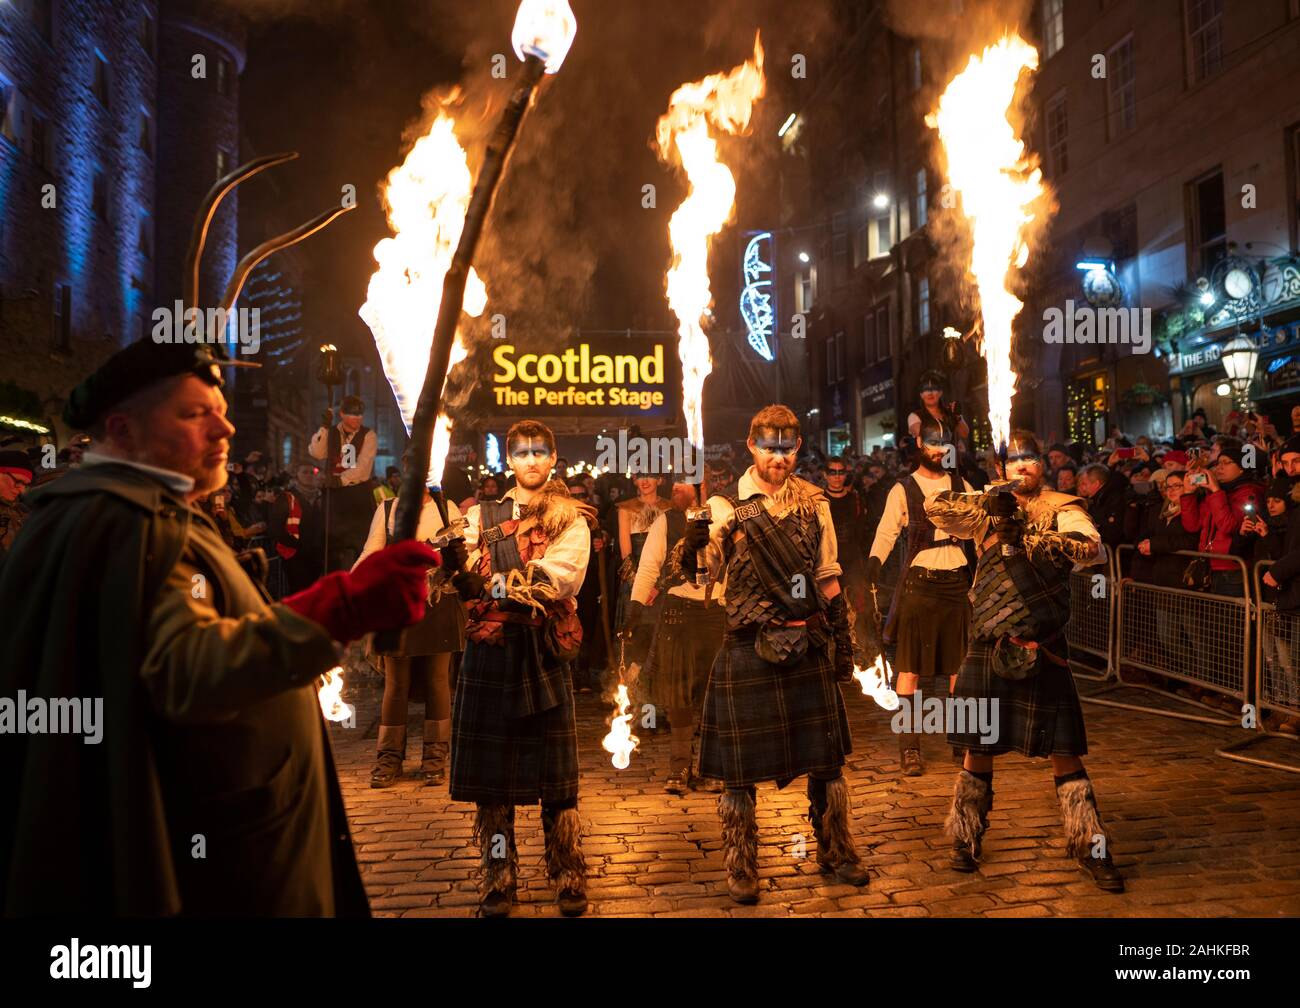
930 403
513 736
772 707
1016 673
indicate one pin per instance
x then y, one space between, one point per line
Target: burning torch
543 32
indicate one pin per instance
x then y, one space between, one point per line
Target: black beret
1291 445
136 367
14 461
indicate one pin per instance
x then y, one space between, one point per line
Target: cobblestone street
1195 834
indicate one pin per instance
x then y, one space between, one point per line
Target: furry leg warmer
1083 826
494 832
968 818
831 822
565 865
739 833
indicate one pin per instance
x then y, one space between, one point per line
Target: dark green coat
211 727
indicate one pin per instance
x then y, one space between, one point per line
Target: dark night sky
569 243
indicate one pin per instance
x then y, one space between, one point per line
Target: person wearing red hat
210 789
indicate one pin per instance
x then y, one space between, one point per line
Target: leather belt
1035 646
940 575
497 616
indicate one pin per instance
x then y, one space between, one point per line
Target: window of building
917 76
923 306
1052 21
146 132
882 330
860 244
1058 128
868 337
922 206
61 327
101 84
879 236
148 35
839 355
1208 225
1293 175
804 289
830 360
840 248
42 12
1204 20
42 141
224 71
8 111
99 195
1121 90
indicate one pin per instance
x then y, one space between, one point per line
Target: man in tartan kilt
772 708
513 739
1017 663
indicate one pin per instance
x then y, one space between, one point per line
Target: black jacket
1107 506
1167 537
1285 551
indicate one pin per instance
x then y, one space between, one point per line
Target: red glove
387 591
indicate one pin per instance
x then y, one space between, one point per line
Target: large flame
425 198
876 682
330 696
988 166
725 101
620 741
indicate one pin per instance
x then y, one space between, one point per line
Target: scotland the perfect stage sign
758 294
632 376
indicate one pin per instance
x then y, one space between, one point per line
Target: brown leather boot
433 767
565 864
831 817
390 752
494 832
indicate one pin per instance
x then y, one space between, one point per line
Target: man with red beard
772 708
211 790
1017 665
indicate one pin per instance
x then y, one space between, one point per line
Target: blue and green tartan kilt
1040 716
497 760
766 722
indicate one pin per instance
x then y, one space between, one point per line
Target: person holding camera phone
1216 491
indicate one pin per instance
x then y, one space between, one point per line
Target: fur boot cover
565 865
739 833
972 800
835 844
1082 822
491 823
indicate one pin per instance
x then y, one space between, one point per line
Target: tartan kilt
497 760
766 722
933 626
685 644
1040 716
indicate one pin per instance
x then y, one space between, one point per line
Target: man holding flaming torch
514 740
773 709
1029 538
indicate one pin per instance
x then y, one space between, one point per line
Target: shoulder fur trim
554 510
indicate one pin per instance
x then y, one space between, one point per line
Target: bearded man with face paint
930 613
772 708
1017 664
513 735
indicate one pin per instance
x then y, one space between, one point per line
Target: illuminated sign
756 304
585 378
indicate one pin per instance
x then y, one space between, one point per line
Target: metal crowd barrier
1189 636
1091 629
1277 675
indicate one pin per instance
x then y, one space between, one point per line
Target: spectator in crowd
1281 536
1057 459
1066 478
297 529
593 657
847 516
1106 493
15 476
391 486
1161 535
1218 493
348 450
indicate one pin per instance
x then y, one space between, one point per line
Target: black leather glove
1000 504
327 419
454 555
873 570
697 535
631 619
469 586
842 633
